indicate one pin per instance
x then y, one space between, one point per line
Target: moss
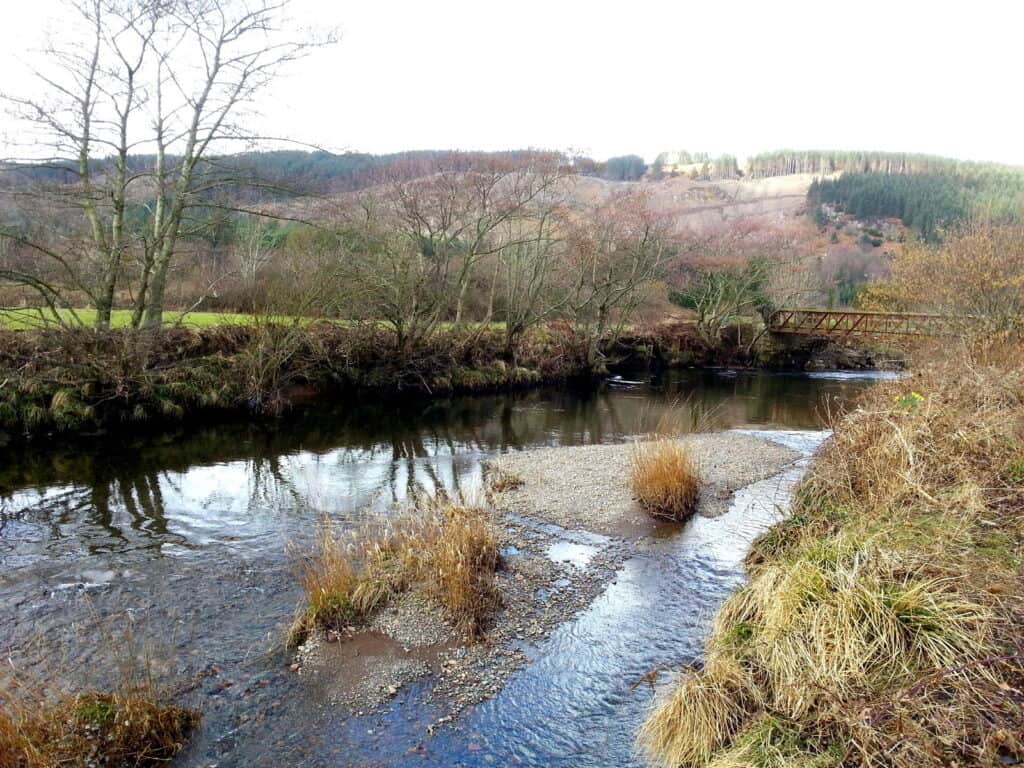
1014 471
96 711
75 380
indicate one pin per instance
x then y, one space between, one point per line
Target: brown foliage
446 549
975 276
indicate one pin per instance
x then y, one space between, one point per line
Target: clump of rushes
346 578
459 554
665 479
124 729
880 623
445 549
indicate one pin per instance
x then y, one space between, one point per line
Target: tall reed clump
131 728
665 479
445 549
880 623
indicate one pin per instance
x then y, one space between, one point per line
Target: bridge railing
831 322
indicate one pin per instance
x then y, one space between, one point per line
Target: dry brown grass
458 564
665 479
501 480
879 627
131 728
448 550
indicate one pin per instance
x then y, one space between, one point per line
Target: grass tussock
880 623
445 549
501 480
121 730
665 479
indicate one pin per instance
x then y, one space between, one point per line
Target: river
176 548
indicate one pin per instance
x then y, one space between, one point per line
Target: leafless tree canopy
134 109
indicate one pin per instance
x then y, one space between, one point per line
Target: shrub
665 479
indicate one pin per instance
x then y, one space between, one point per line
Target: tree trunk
103 307
153 308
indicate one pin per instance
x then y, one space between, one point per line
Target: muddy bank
85 383
80 383
567 525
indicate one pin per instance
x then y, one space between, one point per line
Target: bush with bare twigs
665 479
879 627
448 550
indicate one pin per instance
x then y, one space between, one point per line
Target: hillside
698 205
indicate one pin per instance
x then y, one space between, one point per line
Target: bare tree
413 245
528 268
136 107
253 250
615 249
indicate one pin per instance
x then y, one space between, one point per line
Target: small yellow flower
908 401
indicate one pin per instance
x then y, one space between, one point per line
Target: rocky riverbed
567 523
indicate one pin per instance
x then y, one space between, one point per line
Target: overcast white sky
611 78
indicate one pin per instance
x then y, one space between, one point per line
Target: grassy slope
881 623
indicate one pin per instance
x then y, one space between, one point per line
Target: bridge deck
829 322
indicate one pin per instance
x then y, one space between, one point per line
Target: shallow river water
174 549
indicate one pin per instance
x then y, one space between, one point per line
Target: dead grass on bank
447 549
665 479
880 626
130 728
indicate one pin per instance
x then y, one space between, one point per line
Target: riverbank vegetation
879 626
445 549
982 290
81 380
128 729
466 270
665 479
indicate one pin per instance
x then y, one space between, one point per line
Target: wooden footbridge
841 322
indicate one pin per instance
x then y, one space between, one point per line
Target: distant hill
924 191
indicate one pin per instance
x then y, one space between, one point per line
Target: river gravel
566 524
588 486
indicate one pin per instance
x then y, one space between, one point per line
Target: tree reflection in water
236 481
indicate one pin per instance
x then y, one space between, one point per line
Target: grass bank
68 381
880 625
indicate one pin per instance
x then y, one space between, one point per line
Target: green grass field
28 319
34 318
